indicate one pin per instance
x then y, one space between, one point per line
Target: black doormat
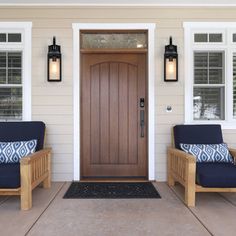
113 190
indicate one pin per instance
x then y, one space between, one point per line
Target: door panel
114 113
104 113
133 118
123 113
95 115
111 87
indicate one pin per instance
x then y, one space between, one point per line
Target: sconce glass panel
171 69
54 69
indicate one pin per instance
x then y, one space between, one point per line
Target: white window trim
229 47
151 91
25 28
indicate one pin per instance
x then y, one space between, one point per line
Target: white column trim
151 88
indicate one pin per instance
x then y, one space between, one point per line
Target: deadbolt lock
142 103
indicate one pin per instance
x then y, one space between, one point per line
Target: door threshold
110 179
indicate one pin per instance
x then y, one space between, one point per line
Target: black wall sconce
54 62
171 63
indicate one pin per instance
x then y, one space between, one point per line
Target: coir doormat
125 190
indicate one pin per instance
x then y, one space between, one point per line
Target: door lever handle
142 122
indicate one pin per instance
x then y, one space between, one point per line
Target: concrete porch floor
214 214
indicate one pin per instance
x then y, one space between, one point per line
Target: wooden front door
113 118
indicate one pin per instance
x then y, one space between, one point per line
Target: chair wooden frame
34 169
182 169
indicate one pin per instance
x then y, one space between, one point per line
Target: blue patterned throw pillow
12 152
208 152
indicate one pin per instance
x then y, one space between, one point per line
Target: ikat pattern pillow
208 152
12 152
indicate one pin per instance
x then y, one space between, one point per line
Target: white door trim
151 91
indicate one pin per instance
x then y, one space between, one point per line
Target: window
208 86
114 40
205 37
15 69
210 73
10 37
10 85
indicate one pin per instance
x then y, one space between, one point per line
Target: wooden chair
182 167
21 178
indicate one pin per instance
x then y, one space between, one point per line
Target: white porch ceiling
119 2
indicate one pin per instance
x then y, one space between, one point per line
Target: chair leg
190 186
171 181
26 198
190 196
26 188
47 182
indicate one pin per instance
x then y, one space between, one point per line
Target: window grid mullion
208 65
7 80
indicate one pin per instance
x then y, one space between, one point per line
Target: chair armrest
233 153
35 168
30 158
181 166
176 153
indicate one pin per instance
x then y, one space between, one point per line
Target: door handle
142 122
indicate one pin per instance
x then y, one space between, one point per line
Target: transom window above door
210 73
113 39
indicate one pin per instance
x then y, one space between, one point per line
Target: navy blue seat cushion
218 175
10 175
197 134
23 131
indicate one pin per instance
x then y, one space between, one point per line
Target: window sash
208 85
209 103
11 92
11 103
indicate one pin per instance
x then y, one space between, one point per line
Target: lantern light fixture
170 63
54 62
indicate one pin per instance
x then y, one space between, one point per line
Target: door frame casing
150 27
